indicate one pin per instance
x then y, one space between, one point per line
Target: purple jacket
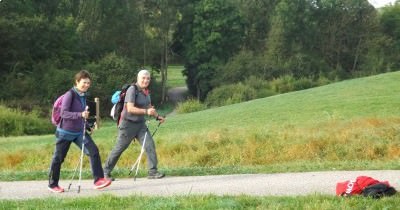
71 111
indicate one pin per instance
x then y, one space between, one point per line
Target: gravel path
280 184
177 94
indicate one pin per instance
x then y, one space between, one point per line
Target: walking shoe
56 189
101 183
109 177
155 175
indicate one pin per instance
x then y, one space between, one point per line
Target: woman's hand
85 114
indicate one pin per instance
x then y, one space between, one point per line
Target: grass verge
316 202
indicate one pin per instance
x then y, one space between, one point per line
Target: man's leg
125 136
151 153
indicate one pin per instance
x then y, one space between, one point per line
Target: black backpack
119 106
378 190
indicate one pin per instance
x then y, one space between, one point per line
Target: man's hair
83 74
143 72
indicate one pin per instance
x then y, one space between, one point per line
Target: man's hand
160 118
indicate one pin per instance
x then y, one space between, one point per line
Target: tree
344 27
257 19
390 23
216 33
161 18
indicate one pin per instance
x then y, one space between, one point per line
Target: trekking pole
83 148
137 163
73 176
154 132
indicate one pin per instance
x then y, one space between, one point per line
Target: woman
70 129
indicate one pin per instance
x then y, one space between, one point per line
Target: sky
380 3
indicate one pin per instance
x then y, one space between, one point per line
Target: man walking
133 125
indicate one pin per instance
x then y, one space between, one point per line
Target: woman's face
143 81
83 85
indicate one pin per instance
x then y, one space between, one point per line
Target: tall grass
352 124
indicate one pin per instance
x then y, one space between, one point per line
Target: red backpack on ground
365 185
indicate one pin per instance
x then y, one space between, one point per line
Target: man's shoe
109 177
56 189
101 183
155 175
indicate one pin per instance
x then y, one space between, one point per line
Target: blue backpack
118 99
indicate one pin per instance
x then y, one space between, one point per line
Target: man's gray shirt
140 100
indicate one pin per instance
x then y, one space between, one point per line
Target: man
133 125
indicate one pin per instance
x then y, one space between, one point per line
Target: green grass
352 125
316 202
175 76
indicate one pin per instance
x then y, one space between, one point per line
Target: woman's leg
62 147
94 155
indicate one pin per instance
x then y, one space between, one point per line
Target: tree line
219 42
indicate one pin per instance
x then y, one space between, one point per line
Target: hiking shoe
101 183
155 175
109 177
56 189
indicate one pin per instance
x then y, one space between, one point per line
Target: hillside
352 124
370 97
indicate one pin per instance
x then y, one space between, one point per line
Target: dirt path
280 184
176 95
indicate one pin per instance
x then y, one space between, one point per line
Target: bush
230 94
261 86
283 84
288 83
191 105
14 122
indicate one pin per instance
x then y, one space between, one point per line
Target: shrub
261 86
288 83
283 84
230 94
14 122
191 105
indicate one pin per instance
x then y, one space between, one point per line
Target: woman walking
71 129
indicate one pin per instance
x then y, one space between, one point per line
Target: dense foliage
220 42
302 38
44 43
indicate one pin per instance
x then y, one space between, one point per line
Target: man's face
143 80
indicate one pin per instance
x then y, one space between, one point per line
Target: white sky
380 3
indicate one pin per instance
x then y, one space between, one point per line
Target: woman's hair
83 74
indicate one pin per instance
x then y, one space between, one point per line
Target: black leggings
62 147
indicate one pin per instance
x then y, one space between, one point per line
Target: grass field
175 76
352 125
316 202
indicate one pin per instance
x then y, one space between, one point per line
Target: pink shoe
56 189
101 183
